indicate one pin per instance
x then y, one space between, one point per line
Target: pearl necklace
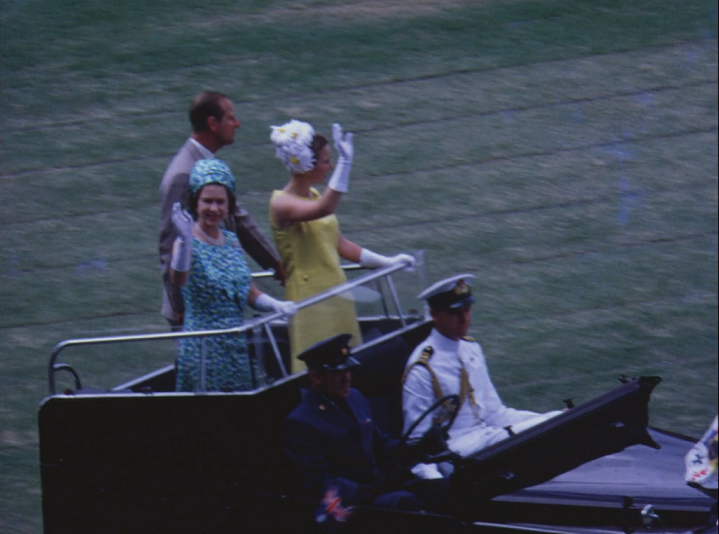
211 240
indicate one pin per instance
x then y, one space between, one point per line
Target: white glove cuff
181 256
265 303
371 260
340 179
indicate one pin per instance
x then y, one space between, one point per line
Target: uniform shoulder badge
427 353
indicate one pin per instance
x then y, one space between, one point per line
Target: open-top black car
141 457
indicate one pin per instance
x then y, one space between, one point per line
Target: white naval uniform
474 428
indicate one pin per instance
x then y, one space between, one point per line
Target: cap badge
461 288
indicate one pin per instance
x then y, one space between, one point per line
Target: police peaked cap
449 294
332 353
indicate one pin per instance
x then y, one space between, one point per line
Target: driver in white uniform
448 362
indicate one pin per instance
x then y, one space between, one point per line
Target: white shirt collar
439 342
204 151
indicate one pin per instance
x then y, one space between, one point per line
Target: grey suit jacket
175 188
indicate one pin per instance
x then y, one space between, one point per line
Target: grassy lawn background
565 152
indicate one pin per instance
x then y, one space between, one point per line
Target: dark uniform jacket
329 447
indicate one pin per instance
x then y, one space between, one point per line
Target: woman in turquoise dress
209 265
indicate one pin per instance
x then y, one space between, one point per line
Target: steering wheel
444 428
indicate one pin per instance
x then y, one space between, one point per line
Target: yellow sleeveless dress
308 251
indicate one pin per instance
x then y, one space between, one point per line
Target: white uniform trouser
475 439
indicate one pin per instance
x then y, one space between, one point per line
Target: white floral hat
292 145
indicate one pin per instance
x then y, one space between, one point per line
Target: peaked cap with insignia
332 353
449 294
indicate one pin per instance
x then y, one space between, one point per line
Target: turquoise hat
211 171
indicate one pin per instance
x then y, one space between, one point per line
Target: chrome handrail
344 267
248 325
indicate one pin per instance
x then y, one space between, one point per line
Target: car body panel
143 458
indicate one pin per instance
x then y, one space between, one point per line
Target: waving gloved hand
343 144
372 260
182 221
181 253
340 177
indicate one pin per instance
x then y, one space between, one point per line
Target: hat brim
462 303
348 363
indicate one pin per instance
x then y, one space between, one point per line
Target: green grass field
565 152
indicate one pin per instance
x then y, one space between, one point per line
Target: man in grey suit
213 120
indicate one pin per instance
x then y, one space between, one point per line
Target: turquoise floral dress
215 298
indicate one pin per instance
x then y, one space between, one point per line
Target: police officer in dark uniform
335 447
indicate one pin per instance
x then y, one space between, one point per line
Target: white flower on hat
293 131
292 145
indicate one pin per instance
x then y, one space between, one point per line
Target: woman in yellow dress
308 238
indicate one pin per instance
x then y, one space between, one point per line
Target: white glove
340 179
182 253
265 303
182 221
181 256
373 261
343 146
